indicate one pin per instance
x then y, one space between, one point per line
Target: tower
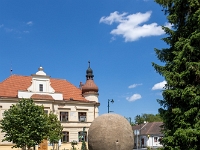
90 89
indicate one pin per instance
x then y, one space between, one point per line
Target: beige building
75 107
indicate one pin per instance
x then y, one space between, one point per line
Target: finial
89 72
41 71
40 68
11 71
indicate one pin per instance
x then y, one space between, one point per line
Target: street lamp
83 133
112 101
129 120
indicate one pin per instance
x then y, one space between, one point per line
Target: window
65 137
41 87
160 139
82 116
82 136
46 111
63 116
155 139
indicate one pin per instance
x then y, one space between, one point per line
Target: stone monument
110 132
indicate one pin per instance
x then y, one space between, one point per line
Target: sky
118 37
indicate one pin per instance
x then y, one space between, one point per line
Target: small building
76 107
147 134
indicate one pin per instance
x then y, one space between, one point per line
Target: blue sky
118 37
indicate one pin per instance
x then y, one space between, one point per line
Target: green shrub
160 148
148 148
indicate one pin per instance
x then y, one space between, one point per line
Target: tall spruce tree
180 107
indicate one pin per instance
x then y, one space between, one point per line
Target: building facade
76 107
147 134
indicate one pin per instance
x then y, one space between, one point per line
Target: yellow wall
63 146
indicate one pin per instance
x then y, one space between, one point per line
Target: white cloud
131 27
114 17
29 23
133 85
169 25
134 97
159 86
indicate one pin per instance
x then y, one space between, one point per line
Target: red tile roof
10 87
89 86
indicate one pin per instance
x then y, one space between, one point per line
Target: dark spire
89 73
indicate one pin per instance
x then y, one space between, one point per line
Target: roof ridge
30 76
58 78
144 125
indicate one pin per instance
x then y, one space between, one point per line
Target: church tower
90 89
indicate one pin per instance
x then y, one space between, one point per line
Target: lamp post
130 120
83 134
83 147
112 101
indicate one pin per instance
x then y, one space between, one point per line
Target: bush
148 148
83 147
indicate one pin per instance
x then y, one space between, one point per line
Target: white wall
152 142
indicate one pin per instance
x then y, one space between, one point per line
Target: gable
16 83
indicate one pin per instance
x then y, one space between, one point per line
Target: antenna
11 70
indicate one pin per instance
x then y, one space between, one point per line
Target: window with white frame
82 116
41 87
63 116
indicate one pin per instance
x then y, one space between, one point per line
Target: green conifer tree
181 97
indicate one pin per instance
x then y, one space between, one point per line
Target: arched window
82 136
65 137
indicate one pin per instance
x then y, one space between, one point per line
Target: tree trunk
53 146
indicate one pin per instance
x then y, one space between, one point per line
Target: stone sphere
110 132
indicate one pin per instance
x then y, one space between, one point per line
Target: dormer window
41 87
